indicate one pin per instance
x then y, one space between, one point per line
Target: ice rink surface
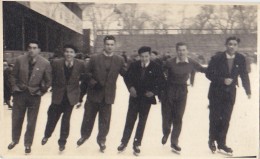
242 135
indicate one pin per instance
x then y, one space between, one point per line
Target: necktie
143 71
69 65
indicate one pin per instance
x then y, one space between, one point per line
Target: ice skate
176 148
227 150
136 150
212 146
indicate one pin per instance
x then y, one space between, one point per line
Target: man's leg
166 119
214 119
143 115
224 124
54 114
65 125
33 108
104 122
90 113
130 121
178 111
18 114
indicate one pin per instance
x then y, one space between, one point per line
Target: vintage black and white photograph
125 80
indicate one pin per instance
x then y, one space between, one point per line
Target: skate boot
122 147
176 148
227 150
212 146
136 150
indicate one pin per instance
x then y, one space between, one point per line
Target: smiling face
69 54
145 57
182 52
232 47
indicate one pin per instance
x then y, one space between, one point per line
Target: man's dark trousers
137 106
176 102
25 101
54 114
220 114
91 110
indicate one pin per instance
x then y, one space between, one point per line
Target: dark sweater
179 73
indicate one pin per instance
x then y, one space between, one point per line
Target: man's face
109 46
5 65
182 52
69 54
232 47
33 50
145 57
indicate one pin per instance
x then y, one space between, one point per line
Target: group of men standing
145 79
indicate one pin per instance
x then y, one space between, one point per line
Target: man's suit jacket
105 88
60 85
40 79
151 81
218 70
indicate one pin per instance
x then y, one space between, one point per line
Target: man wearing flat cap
142 80
102 73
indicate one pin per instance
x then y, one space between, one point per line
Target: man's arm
128 78
212 73
244 77
196 67
47 78
13 75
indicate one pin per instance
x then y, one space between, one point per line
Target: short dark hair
34 42
109 37
87 57
71 47
180 44
232 38
155 52
144 49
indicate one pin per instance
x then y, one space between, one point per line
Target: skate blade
176 152
213 151
225 153
121 151
102 151
136 154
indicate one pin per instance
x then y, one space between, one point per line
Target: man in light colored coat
102 72
30 79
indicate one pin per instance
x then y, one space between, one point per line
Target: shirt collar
107 55
178 60
229 56
146 64
67 63
32 59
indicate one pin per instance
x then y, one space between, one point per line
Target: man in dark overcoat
223 71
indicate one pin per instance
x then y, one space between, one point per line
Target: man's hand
149 94
132 92
228 81
92 83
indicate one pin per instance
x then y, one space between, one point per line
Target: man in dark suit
66 74
102 73
223 71
30 79
179 70
143 80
